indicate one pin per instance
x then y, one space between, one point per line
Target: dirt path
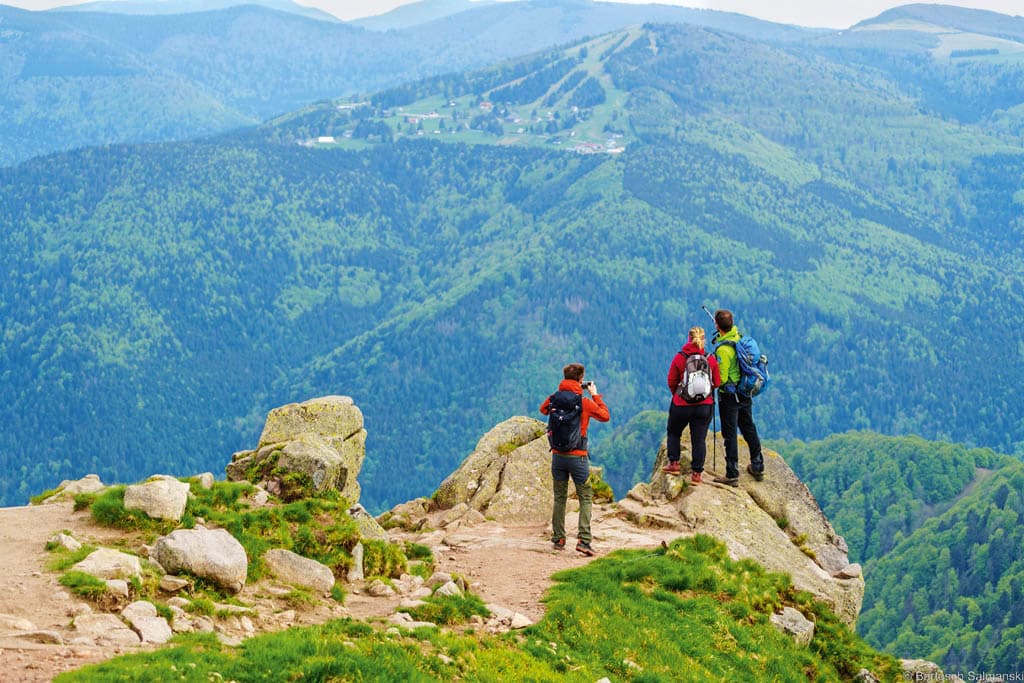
28 591
507 565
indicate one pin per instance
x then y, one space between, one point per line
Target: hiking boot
671 468
558 543
583 548
694 477
754 473
728 481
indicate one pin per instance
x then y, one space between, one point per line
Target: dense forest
938 528
162 298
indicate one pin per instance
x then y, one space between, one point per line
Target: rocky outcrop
317 445
212 554
507 477
794 624
775 522
68 488
161 497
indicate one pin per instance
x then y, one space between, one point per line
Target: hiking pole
710 314
714 428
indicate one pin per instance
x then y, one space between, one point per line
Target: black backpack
695 385
565 409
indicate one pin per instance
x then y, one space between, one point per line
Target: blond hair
697 336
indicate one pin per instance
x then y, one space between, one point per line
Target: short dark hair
573 371
723 319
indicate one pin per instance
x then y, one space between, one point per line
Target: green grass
449 609
682 613
85 585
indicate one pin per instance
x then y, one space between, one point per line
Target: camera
586 385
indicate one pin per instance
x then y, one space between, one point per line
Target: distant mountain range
80 78
162 7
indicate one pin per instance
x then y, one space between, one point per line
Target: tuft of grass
338 593
299 597
64 559
38 499
201 606
449 609
384 559
86 585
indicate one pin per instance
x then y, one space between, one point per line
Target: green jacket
728 366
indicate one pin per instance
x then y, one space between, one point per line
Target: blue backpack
754 376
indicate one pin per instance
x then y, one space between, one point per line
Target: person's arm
726 356
716 375
545 406
674 375
595 408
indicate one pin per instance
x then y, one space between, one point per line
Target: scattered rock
449 588
795 624
44 637
851 571
9 622
68 488
118 587
298 570
369 528
161 497
206 480
143 618
520 621
210 554
105 629
105 563
64 541
355 573
379 589
172 584
438 578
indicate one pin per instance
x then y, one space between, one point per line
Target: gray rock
118 587
369 528
379 589
448 589
206 480
143 618
852 571
298 570
105 563
795 624
68 488
865 676
210 554
44 637
105 629
64 541
507 477
409 516
173 584
920 670
160 498
520 621
322 438
9 622
356 572
438 578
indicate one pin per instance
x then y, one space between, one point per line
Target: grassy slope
682 613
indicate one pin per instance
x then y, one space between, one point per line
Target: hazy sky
831 13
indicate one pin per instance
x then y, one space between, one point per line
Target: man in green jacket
734 409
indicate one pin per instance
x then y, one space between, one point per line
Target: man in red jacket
569 417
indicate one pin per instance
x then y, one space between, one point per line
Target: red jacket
592 407
675 374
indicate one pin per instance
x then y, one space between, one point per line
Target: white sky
828 13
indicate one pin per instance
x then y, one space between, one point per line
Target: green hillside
938 527
163 298
681 613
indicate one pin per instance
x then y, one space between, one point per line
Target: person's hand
593 388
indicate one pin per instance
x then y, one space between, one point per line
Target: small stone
520 621
172 584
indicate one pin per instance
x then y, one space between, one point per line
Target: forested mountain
938 526
413 13
70 78
162 298
187 6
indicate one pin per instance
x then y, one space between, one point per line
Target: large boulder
161 497
776 522
106 563
68 488
319 444
298 570
507 477
212 554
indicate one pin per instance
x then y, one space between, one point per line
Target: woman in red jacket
682 413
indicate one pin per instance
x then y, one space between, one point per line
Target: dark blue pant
736 410
698 418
